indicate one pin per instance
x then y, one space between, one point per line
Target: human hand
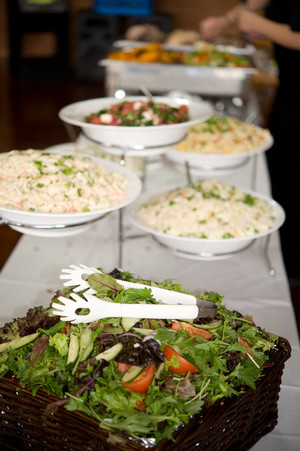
212 26
247 20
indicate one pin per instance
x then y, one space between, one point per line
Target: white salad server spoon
171 304
98 309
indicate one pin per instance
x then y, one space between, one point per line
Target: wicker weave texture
236 423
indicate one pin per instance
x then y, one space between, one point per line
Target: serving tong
171 304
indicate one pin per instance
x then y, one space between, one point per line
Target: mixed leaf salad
140 379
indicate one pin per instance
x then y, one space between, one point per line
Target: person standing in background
281 25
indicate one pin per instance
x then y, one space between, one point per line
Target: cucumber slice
110 353
86 345
159 370
18 342
132 373
128 323
142 331
73 348
212 325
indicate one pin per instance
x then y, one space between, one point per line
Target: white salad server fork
171 304
76 273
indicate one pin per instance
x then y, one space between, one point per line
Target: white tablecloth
31 276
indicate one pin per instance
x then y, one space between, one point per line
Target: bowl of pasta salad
56 194
135 122
218 144
206 219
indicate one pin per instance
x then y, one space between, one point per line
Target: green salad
140 379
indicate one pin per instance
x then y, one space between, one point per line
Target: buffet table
31 276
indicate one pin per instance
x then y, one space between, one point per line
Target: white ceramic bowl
66 224
132 137
199 248
216 163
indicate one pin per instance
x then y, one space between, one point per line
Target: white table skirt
31 276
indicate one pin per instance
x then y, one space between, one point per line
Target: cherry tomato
184 365
141 383
191 330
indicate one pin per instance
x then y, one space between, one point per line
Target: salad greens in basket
140 379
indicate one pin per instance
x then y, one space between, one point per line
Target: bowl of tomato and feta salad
139 114
135 121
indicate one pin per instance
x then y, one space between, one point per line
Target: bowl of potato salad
206 219
220 144
55 194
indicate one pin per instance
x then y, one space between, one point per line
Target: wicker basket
236 423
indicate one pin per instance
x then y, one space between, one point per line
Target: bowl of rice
56 194
207 219
143 134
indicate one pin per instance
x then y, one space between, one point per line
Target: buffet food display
138 382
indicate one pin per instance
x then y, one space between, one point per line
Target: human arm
215 25
281 34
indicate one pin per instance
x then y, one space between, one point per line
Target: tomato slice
141 383
95 120
191 330
184 365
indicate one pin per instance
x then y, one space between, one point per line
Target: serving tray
161 78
